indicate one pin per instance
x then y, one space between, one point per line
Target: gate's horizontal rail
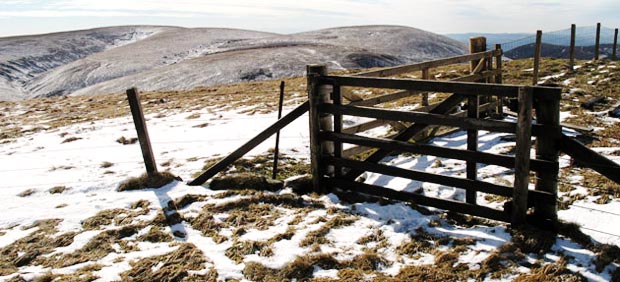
430 64
463 183
423 118
451 205
464 88
417 148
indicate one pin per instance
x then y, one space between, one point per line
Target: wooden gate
331 169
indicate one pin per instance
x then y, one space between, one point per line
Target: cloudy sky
289 16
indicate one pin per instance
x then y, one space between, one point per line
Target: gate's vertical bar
573 34
337 99
522 157
537 53
613 52
548 115
473 111
317 94
499 78
597 44
277 148
425 75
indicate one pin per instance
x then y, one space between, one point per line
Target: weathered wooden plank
464 88
451 205
522 157
499 78
385 98
562 124
615 45
423 118
143 134
451 181
442 152
425 75
248 146
425 65
337 100
588 158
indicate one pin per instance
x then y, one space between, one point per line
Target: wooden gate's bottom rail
463 183
460 207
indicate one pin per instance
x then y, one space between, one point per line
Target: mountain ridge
111 59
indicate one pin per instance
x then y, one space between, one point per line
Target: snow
40 160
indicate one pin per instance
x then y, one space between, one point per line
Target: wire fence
556 43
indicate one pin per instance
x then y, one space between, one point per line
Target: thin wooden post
473 111
613 55
143 135
316 96
547 148
499 78
277 147
573 34
522 157
337 100
425 75
537 52
597 44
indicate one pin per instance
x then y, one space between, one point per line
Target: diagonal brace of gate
248 146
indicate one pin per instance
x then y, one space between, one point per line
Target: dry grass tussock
145 181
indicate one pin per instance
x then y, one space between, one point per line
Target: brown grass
26 193
58 190
145 181
173 266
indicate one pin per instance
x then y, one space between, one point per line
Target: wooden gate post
143 135
597 44
547 148
522 157
573 34
537 51
499 78
318 95
477 45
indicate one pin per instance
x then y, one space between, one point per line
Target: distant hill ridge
111 59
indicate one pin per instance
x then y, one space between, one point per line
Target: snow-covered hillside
169 58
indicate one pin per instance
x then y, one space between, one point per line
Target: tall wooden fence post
613 55
499 78
143 135
597 44
477 45
573 34
276 150
537 53
522 157
317 95
547 148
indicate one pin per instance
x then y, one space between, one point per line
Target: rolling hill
107 60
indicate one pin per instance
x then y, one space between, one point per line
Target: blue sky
441 16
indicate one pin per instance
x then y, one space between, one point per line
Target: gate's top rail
463 88
430 64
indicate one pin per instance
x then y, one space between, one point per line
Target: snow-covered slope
158 58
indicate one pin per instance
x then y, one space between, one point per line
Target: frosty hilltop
111 59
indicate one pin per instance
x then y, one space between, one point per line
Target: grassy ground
306 219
